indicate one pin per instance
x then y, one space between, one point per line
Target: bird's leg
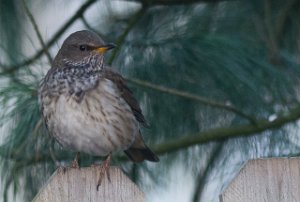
104 169
75 161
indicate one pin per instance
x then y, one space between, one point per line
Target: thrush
87 107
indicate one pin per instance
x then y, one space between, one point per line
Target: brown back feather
126 94
138 150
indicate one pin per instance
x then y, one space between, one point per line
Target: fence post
273 179
80 185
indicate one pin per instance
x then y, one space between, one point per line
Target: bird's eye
82 48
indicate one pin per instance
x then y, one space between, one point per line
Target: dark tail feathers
138 155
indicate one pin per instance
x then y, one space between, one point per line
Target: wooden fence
80 185
266 180
261 180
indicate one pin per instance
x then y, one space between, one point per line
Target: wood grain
80 185
263 180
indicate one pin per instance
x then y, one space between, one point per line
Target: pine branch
217 134
175 2
200 99
274 29
283 19
12 68
201 179
38 33
271 39
38 54
227 132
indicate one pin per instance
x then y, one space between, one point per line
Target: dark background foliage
217 81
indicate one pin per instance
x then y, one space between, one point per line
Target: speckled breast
99 123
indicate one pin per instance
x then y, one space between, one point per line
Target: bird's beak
105 48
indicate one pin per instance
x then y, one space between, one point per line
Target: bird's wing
126 94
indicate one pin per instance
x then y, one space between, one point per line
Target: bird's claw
104 169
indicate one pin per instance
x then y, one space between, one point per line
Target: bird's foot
104 169
75 163
94 165
61 169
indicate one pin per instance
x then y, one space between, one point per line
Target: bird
87 107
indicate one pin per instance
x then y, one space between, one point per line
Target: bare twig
200 99
135 18
38 33
38 54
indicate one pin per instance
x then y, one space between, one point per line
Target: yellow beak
105 48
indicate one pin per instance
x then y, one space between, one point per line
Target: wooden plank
263 180
80 185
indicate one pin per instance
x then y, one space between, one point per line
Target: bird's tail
140 154
139 151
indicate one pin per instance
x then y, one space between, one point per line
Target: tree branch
175 2
31 18
201 179
226 132
282 19
200 99
77 14
12 68
186 141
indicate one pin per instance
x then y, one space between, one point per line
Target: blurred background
218 81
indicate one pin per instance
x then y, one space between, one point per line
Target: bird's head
82 47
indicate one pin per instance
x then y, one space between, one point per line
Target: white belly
101 123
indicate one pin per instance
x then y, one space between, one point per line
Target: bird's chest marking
74 81
98 116
99 106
